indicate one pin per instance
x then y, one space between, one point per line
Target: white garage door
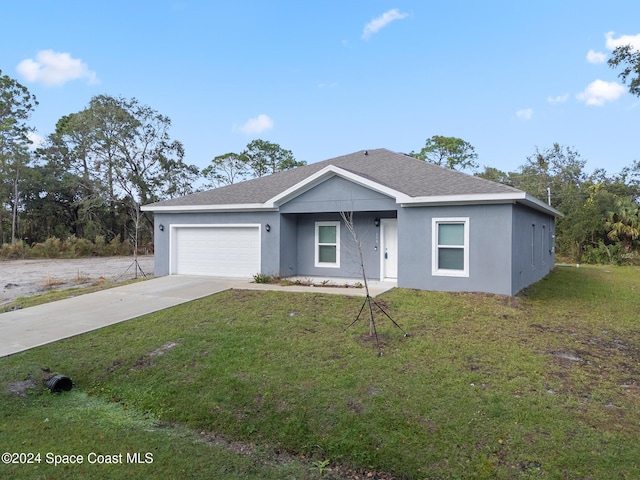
221 251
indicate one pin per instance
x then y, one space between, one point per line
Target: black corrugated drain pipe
58 382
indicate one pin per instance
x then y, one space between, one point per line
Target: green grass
543 385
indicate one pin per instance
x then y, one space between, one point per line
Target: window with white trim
327 244
450 241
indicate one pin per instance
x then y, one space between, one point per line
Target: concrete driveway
31 327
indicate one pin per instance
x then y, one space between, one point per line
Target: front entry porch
319 245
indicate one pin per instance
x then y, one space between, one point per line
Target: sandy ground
20 278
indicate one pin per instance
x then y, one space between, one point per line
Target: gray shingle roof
398 171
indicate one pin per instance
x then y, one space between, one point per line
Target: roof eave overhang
537 204
240 207
483 199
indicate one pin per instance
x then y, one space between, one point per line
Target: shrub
261 278
632 258
80 247
116 247
50 248
13 250
99 245
73 247
125 248
605 254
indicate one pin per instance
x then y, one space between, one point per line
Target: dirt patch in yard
23 278
22 388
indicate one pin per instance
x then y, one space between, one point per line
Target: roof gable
323 175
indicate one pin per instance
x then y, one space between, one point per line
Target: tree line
81 190
601 222
85 184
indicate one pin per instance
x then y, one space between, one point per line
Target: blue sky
327 78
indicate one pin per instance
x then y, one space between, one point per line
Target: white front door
389 248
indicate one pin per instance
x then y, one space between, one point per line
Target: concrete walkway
31 327
375 288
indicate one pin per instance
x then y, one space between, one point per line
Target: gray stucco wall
489 248
367 232
270 244
288 245
533 254
339 195
501 257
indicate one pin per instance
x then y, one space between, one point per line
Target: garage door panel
232 251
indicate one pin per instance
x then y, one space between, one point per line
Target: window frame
435 247
317 245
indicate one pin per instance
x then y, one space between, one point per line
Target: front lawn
249 384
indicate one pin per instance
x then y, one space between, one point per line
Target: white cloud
596 57
525 114
55 69
598 92
327 84
377 24
37 140
612 43
257 125
558 99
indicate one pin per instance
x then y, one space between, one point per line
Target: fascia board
326 173
483 199
468 198
538 204
208 208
